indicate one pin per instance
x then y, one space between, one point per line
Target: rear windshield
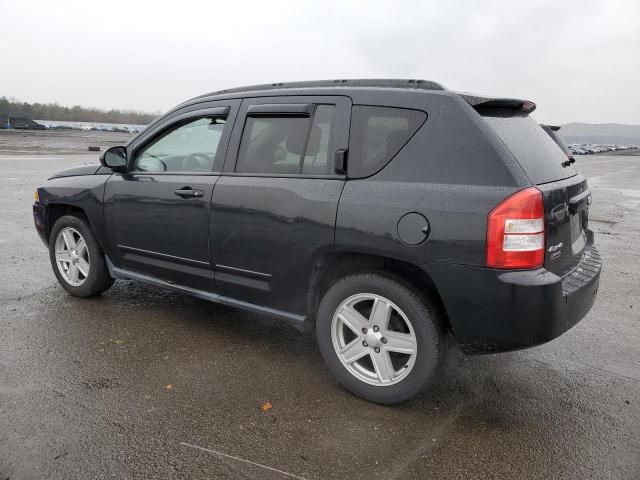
556 137
540 157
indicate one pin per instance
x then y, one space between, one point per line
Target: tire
88 256
384 375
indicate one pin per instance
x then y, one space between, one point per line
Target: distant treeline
53 111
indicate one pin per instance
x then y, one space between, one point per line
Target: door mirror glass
114 158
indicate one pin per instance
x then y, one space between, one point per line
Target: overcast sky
578 60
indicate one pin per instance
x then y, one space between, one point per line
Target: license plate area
566 211
579 218
578 231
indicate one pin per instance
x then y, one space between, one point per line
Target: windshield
538 154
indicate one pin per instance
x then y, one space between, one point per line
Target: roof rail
372 83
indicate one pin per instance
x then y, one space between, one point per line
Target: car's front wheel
76 258
380 339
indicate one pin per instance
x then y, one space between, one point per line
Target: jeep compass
383 215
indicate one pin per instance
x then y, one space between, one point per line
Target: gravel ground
139 383
57 142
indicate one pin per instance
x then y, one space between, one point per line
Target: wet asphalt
141 383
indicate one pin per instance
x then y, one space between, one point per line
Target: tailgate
566 205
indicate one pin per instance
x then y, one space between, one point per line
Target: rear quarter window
540 157
377 134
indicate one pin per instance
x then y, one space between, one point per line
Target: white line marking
242 460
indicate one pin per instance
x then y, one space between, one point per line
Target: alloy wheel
374 339
72 256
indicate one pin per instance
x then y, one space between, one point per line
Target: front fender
84 193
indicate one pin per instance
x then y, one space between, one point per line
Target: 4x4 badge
553 248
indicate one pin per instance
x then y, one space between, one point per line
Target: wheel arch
55 211
337 264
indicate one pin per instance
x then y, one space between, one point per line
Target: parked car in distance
385 215
583 149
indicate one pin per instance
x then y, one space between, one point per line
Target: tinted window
557 137
538 154
377 134
317 159
190 147
287 145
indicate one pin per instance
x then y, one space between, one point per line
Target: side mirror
115 158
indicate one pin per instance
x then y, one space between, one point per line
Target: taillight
515 231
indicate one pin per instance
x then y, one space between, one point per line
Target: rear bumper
496 311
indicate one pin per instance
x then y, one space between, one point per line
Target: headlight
36 197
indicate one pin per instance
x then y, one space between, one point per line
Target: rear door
274 208
157 213
565 191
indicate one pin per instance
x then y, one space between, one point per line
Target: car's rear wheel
380 339
76 258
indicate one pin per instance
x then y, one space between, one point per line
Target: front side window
287 145
189 147
377 135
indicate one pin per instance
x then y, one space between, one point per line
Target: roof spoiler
484 103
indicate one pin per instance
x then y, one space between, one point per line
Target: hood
80 170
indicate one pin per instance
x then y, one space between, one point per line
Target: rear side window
287 145
538 154
317 158
377 134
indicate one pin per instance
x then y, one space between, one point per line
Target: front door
274 208
157 214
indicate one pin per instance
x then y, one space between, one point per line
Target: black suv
384 214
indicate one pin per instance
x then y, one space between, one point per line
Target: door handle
189 193
340 165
